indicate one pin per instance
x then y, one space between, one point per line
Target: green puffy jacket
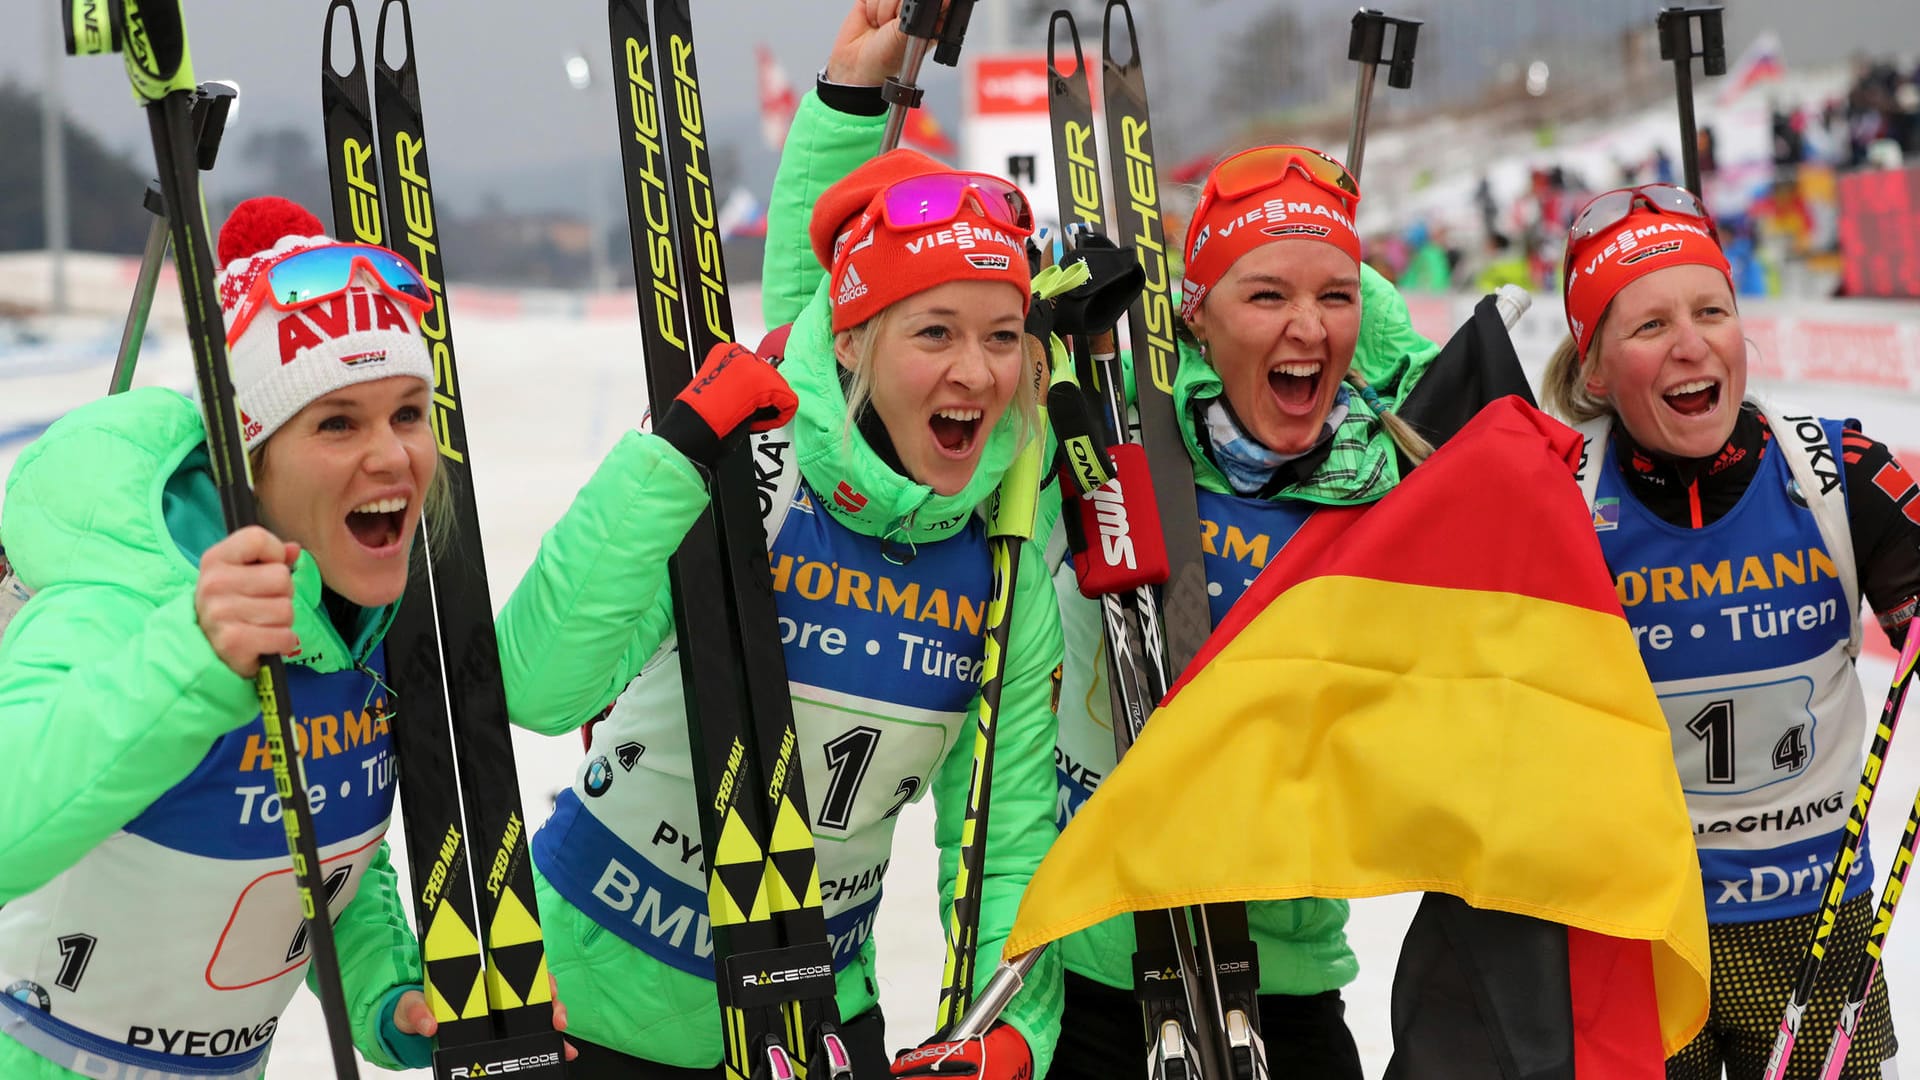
595 607
1302 944
110 695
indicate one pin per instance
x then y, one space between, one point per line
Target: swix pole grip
1120 522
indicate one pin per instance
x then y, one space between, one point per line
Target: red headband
1294 207
870 265
1644 241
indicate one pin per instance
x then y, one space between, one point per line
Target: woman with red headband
148 923
901 400
1298 364
1742 538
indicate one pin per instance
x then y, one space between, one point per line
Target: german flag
1437 693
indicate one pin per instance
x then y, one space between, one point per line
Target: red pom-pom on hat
258 224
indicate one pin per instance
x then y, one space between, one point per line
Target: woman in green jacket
907 285
150 925
1296 369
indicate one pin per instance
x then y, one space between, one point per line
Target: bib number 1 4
1721 765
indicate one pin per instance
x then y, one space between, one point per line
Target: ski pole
1843 863
920 21
1367 46
1868 968
212 106
1676 44
153 37
1010 524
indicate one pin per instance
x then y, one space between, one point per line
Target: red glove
1000 1054
734 390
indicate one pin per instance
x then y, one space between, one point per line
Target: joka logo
1317 231
331 320
848 499
851 287
599 777
1665 248
629 754
989 262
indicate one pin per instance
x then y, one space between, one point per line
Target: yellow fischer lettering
706 235
416 204
1144 195
1083 178
363 197
643 115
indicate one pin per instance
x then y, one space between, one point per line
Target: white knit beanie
285 360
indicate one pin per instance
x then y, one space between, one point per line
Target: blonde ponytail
1408 440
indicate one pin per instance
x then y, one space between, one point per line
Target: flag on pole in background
1435 693
742 215
778 102
1761 61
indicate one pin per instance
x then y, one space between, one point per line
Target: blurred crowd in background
1779 229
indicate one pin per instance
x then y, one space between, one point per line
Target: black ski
773 962
1176 1002
485 961
154 38
1226 943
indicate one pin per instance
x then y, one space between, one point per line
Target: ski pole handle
1366 46
152 35
1675 25
921 21
212 106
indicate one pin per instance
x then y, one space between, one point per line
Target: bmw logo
29 994
599 776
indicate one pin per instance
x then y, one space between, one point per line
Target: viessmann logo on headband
963 235
1278 210
1627 242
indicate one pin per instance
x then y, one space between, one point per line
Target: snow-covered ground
545 397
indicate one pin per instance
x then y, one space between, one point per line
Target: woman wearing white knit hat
150 925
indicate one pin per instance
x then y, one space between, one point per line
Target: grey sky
504 121
501 116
